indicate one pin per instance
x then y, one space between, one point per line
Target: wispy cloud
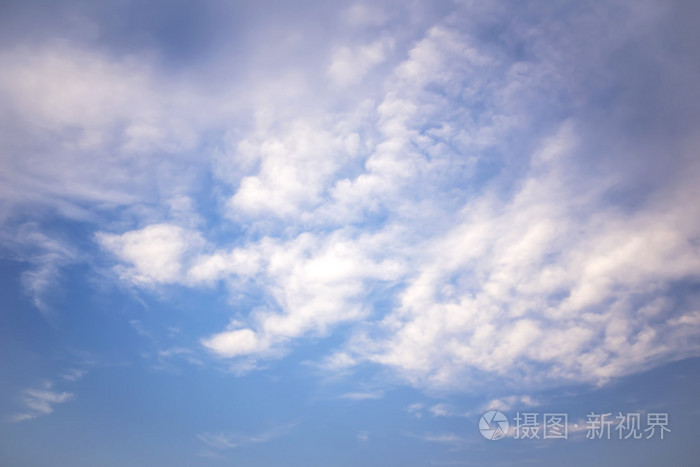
139 328
74 374
167 358
349 65
41 401
441 410
359 396
416 409
451 441
47 253
228 440
445 438
505 404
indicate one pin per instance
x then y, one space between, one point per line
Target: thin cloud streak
40 402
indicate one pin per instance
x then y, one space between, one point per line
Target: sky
342 233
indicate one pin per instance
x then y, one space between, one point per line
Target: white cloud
531 275
243 262
505 404
139 328
41 402
442 438
337 361
237 342
317 283
362 14
84 133
74 374
155 253
47 255
501 242
350 64
101 122
416 409
548 286
296 164
229 440
167 358
360 396
440 410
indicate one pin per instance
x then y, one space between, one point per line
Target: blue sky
337 233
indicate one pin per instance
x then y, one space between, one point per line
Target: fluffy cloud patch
155 253
546 286
295 166
485 209
316 283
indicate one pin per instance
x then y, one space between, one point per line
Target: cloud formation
157 252
41 402
229 440
489 196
